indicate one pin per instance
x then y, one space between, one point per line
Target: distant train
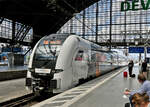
60 61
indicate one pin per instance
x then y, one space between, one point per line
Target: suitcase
125 74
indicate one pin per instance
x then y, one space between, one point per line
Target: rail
18 101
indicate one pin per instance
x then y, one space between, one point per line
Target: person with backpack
130 67
144 68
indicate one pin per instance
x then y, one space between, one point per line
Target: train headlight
53 71
58 70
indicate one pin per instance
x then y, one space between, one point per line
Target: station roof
45 16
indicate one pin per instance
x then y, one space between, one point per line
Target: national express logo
135 5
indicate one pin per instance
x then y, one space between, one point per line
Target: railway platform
14 72
5 68
105 91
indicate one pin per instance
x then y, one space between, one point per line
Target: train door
92 64
80 65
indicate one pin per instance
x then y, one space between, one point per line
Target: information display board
148 49
136 49
14 49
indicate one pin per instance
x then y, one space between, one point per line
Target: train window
45 42
108 56
98 57
79 56
93 57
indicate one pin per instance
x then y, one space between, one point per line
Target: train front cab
43 61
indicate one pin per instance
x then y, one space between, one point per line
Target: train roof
63 36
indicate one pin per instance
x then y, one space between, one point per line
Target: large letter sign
134 5
125 6
145 7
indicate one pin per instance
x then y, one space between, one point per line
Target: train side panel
81 60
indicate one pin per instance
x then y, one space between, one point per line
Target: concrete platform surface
109 94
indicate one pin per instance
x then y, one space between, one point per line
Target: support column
11 54
71 26
97 11
83 26
144 52
13 33
110 28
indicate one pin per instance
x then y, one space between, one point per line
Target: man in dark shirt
144 68
130 67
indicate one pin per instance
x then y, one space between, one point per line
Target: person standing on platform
130 67
145 88
144 68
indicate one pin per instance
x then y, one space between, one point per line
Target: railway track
17 102
26 100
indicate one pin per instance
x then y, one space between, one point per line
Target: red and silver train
60 61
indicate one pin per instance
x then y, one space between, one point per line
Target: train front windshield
46 54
